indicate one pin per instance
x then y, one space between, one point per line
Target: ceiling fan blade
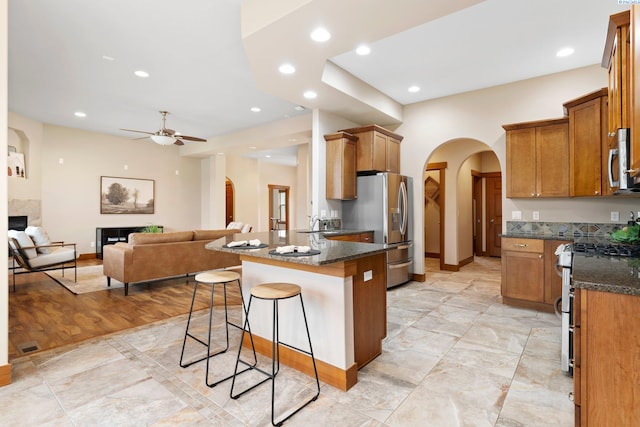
139 131
190 138
178 142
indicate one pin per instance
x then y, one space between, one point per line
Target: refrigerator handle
403 207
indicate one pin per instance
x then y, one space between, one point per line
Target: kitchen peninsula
344 292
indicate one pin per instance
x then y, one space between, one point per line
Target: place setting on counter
294 251
245 244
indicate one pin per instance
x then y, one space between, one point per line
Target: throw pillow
24 241
40 237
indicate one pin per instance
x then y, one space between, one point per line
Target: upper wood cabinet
588 144
341 166
378 149
538 158
616 59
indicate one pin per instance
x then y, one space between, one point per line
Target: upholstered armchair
32 251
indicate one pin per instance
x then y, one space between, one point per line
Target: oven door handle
401 265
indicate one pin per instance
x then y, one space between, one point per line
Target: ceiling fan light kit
163 139
166 136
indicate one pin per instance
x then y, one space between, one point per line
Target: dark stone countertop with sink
331 251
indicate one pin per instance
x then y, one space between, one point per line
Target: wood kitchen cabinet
538 158
606 359
341 166
529 276
378 149
588 144
616 59
369 309
366 237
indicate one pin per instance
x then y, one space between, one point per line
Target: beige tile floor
454 356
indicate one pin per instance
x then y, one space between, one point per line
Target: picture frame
126 195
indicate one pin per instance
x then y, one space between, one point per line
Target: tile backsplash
574 230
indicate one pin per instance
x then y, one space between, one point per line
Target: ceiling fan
165 136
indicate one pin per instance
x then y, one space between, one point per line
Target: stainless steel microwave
619 163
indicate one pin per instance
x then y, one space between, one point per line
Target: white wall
324 123
71 164
251 179
4 95
479 115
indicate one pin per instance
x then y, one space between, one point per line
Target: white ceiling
208 70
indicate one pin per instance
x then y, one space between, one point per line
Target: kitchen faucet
313 220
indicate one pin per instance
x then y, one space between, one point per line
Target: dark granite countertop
615 274
537 236
336 232
331 251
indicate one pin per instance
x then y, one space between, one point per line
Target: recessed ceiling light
141 73
320 35
108 58
414 89
310 94
255 109
252 147
363 50
268 156
298 108
287 69
80 114
565 51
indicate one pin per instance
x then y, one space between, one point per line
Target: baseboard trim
450 267
465 261
432 255
418 277
338 378
86 256
5 375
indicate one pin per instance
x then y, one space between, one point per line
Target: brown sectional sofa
149 256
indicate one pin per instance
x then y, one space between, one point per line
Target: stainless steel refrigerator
384 206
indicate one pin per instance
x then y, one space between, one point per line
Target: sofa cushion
24 241
40 238
213 234
149 238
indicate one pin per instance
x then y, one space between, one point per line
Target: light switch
615 216
516 214
536 215
368 275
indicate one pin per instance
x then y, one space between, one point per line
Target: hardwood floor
44 314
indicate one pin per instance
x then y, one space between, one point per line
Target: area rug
90 279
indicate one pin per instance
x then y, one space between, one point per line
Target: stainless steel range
565 258
565 254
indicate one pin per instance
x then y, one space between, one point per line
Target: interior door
229 201
494 215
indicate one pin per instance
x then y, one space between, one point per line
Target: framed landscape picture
126 195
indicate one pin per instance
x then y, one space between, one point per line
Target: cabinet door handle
520 245
539 256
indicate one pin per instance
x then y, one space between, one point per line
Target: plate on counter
247 246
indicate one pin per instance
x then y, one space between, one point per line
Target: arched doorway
469 167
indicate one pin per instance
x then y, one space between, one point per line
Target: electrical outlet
615 216
536 215
516 214
368 275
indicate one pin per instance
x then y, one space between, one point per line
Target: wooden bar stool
213 278
275 292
